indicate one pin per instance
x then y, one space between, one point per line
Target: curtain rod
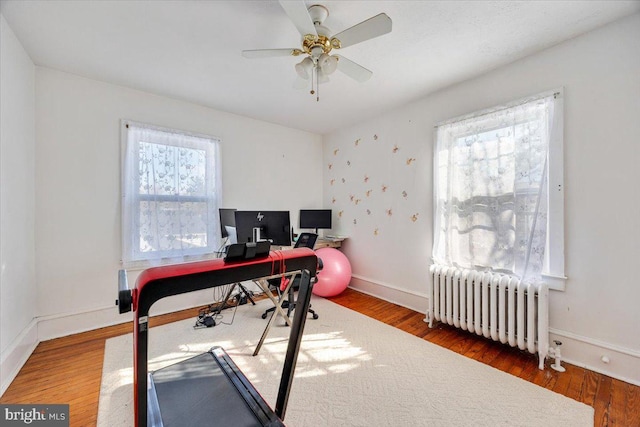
555 93
149 126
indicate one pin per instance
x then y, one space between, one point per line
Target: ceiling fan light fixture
304 68
328 63
322 76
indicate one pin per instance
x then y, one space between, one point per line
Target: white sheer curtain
491 189
170 195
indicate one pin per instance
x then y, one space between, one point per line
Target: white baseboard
17 354
411 300
624 364
63 324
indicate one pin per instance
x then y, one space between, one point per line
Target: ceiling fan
317 44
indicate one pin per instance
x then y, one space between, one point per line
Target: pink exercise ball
335 274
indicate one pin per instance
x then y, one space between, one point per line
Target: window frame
136 259
554 273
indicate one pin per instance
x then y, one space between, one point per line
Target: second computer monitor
315 218
227 221
274 226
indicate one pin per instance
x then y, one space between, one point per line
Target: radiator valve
555 352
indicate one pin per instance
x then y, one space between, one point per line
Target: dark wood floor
69 369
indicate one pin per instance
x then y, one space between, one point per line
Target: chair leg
315 315
267 311
310 310
285 304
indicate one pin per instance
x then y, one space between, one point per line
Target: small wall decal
368 211
332 181
404 194
344 180
340 214
330 166
376 232
355 221
351 197
333 200
335 152
410 160
414 217
348 162
357 142
389 212
384 188
395 149
356 201
375 137
368 193
366 178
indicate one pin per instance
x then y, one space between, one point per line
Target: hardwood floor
69 369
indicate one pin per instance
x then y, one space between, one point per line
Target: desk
328 242
322 242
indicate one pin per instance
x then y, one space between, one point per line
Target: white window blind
170 195
498 190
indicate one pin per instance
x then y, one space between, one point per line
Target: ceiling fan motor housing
310 42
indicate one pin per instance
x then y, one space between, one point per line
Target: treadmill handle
124 300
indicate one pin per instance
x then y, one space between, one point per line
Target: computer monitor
315 218
274 226
227 219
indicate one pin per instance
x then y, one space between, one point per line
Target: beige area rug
351 371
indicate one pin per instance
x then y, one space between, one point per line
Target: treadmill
209 389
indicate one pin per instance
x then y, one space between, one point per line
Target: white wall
17 205
598 313
78 187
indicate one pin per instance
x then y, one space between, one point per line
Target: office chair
305 240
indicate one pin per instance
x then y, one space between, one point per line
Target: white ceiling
190 50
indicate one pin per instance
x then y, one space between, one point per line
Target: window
170 195
498 190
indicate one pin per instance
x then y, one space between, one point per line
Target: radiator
496 306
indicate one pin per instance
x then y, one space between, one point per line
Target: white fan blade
353 70
372 27
268 53
299 15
